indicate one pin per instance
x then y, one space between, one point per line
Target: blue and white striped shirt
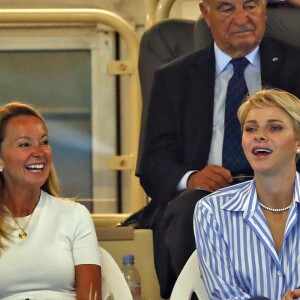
235 248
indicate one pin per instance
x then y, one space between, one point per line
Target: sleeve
162 163
213 256
85 244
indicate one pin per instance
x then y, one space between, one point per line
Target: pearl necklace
275 209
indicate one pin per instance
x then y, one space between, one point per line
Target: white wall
186 9
131 10
190 9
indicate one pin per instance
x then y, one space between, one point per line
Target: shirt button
279 273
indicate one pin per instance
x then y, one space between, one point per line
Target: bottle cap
128 259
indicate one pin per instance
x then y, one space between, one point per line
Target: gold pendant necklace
23 234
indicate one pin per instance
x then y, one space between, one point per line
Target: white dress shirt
224 71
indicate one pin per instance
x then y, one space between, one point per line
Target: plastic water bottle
132 276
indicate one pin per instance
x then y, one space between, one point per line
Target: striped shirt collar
245 197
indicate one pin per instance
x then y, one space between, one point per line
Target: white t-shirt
61 234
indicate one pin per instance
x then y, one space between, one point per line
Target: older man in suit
184 147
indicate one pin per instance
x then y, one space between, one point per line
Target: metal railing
123 67
157 10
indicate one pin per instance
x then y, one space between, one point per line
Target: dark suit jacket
179 126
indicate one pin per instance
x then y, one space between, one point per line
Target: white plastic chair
189 281
114 285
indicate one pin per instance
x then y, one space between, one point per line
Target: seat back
172 38
283 23
162 43
189 281
113 282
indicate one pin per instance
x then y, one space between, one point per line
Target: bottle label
135 289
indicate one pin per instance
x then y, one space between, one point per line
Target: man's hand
210 178
290 295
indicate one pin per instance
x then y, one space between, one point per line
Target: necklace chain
23 234
275 209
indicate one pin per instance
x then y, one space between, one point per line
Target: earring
297 151
1 170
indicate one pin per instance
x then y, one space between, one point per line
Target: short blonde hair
272 97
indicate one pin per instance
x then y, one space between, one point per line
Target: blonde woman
248 235
48 245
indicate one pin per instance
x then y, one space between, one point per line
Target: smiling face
269 140
237 26
25 155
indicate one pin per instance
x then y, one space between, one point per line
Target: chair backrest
172 38
189 281
113 283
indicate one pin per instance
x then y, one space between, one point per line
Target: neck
275 192
21 204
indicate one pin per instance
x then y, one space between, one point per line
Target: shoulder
271 45
181 72
62 205
280 65
185 62
216 200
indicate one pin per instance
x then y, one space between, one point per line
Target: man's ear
205 12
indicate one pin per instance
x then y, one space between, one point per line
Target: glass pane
59 84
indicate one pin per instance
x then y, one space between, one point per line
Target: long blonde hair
51 186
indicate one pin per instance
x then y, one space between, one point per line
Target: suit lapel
198 104
270 59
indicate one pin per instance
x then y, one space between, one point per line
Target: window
63 73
